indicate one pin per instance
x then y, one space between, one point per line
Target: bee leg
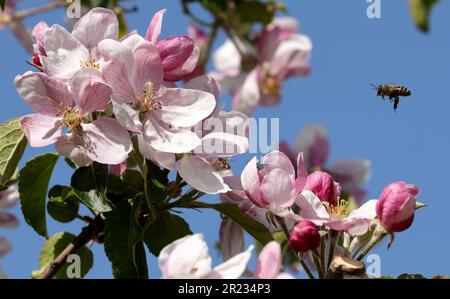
396 101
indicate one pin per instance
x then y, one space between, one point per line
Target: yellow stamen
70 117
90 63
338 210
147 99
271 86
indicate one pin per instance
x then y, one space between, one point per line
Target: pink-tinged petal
166 160
288 24
9 197
174 51
269 261
41 130
278 189
185 258
227 57
72 147
285 148
154 28
204 83
5 247
352 226
313 142
147 66
201 175
234 123
38 36
352 174
229 81
91 92
268 43
311 208
231 239
251 183
302 173
171 140
44 94
185 70
366 211
127 117
232 268
98 24
295 48
64 53
106 141
184 107
8 220
248 96
118 169
276 159
222 144
118 70
237 194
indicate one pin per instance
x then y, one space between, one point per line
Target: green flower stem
319 267
378 235
334 236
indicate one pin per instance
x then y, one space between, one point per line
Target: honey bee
394 92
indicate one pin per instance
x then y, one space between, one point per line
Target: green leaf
2 3
33 184
89 184
133 179
55 245
410 276
123 242
420 11
255 12
215 5
156 182
63 204
254 228
12 146
164 230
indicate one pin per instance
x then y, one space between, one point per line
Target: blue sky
350 52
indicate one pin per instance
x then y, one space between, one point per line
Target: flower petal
106 141
313 142
5 247
64 53
232 268
91 92
251 183
278 189
9 197
200 174
276 159
222 144
44 94
171 140
204 83
41 130
127 117
72 147
166 160
154 28
8 220
184 107
97 25
311 208
352 174
227 57
269 261
248 96
118 70
231 238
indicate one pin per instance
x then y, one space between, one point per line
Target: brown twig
87 234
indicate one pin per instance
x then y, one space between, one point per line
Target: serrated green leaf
33 184
89 184
63 204
55 245
123 242
254 228
420 11
12 146
164 230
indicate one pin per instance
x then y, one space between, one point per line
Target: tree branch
87 234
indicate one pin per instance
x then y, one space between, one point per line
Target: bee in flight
394 92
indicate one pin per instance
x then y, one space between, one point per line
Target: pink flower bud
396 205
323 186
304 237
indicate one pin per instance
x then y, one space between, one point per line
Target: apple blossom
323 185
336 217
188 257
396 205
142 105
304 237
231 238
61 104
179 54
66 53
281 53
